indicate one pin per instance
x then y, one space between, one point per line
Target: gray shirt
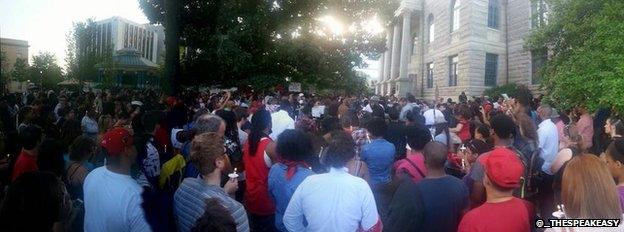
189 204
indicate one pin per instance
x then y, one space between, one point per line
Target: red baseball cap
503 167
116 140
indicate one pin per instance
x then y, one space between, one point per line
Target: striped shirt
189 204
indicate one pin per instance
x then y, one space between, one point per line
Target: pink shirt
410 166
585 126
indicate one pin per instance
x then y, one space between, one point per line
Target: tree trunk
172 44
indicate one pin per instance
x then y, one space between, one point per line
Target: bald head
435 155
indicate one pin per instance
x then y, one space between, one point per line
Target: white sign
294 87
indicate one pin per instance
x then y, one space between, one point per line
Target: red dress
257 199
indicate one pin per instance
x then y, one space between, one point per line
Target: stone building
440 48
12 50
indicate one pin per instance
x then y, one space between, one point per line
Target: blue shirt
281 190
379 156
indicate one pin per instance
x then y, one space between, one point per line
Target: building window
538 58
453 60
539 13
493 14
430 75
491 69
455 16
431 26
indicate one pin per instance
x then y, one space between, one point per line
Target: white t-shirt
281 121
112 202
430 116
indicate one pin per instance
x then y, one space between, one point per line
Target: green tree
81 58
585 40
20 70
265 43
45 70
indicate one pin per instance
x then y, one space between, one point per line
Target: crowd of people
127 160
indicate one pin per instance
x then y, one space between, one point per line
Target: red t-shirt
464 133
25 163
257 200
515 215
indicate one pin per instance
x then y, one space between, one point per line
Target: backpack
533 175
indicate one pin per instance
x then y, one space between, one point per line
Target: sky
45 23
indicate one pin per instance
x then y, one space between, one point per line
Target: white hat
174 138
136 103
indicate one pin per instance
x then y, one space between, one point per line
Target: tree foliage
45 70
20 70
265 43
586 53
81 58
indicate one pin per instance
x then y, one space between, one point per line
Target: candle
233 174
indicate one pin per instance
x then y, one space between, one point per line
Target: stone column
381 67
387 57
396 52
406 42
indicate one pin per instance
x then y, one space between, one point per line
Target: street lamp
41 75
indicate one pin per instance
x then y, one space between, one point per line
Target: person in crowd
614 128
588 192
50 158
36 201
294 148
396 134
548 138
501 211
78 166
375 108
62 104
216 218
378 154
413 166
281 120
503 127
148 155
209 156
105 122
436 203
574 146
463 98
333 201
614 157
258 155
443 134
112 199
30 137
585 125
463 125
65 114
410 105
431 115
89 125
26 117
482 133
231 138
469 153
241 121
